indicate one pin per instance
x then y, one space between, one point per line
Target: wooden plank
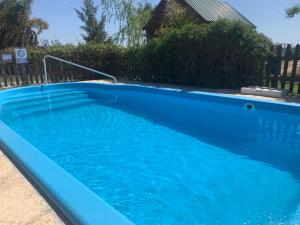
9 70
277 72
42 78
41 73
294 69
17 80
68 76
36 77
23 73
11 81
53 77
30 79
63 77
5 81
2 71
287 58
269 68
61 69
13 69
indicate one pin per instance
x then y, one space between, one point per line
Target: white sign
7 57
21 55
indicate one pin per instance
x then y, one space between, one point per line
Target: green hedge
102 57
219 55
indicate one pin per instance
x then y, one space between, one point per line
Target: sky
268 16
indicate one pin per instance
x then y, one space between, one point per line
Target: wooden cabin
204 11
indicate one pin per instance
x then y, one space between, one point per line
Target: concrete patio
20 203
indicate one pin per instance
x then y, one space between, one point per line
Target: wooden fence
14 75
282 71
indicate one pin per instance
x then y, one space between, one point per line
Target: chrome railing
73 64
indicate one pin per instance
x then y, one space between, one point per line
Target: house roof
211 10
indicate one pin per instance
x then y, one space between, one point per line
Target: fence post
1 75
23 73
277 72
269 67
294 69
62 73
287 58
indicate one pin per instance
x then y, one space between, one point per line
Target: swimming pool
162 156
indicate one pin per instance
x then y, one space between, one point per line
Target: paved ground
20 203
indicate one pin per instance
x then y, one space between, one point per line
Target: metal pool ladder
73 64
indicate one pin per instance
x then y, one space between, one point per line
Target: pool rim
93 209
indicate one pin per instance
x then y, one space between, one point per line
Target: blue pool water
168 160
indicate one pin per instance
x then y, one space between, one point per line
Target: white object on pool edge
264 91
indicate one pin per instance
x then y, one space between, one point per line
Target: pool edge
37 166
78 204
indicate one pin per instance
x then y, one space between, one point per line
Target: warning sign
21 55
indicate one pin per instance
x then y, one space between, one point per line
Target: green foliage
137 16
103 57
17 29
292 11
220 55
223 54
131 16
94 29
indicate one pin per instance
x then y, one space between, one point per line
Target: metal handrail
73 64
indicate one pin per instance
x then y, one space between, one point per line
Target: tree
94 28
131 16
292 11
17 29
135 18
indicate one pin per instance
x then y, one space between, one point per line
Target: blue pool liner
74 200
70 197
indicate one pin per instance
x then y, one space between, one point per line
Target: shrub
223 54
102 57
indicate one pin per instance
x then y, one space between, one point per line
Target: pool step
26 105
22 96
50 107
45 100
29 98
